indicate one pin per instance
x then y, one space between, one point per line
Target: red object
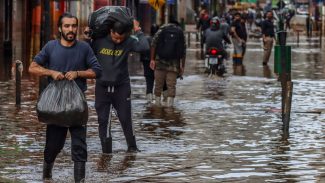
100 3
213 51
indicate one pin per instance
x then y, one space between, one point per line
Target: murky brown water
220 130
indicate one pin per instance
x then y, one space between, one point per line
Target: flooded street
220 129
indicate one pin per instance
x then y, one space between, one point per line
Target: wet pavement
220 129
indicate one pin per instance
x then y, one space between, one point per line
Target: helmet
215 23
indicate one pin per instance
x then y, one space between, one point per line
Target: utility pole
285 77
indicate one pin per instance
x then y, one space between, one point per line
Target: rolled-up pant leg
238 52
122 104
55 139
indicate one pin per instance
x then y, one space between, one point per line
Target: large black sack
62 103
101 20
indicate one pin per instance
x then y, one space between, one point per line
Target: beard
70 36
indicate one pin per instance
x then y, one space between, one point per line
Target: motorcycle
214 60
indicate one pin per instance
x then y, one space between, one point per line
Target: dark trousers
120 98
149 76
55 139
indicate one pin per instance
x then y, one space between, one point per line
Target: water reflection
267 71
218 130
314 66
163 121
114 164
239 69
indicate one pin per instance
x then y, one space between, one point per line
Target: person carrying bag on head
113 88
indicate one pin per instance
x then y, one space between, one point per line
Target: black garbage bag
101 20
62 103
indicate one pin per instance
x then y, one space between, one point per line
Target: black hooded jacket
114 57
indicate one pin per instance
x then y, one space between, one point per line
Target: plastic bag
101 20
62 103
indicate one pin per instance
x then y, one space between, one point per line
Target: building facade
27 25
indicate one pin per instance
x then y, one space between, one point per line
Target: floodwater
220 129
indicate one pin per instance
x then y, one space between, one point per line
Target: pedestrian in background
243 21
237 33
66 58
308 25
203 24
168 59
147 71
113 88
268 36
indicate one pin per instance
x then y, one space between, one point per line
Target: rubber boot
79 171
47 170
149 97
106 145
158 101
170 101
132 145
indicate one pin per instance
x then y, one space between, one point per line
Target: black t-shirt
203 24
268 28
240 31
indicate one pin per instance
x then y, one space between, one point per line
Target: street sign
171 2
156 4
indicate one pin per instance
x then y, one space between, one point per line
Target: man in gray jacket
113 87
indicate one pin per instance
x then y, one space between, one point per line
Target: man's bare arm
38 70
89 74
233 30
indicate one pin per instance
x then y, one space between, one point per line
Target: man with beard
66 58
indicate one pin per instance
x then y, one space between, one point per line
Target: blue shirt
78 57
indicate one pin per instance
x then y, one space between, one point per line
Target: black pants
149 75
55 139
120 98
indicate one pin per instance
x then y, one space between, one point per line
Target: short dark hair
66 15
173 20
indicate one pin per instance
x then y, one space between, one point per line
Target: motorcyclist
214 37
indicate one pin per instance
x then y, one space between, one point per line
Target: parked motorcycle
214 60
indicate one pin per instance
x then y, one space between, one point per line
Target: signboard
171 2
156 4
248 1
